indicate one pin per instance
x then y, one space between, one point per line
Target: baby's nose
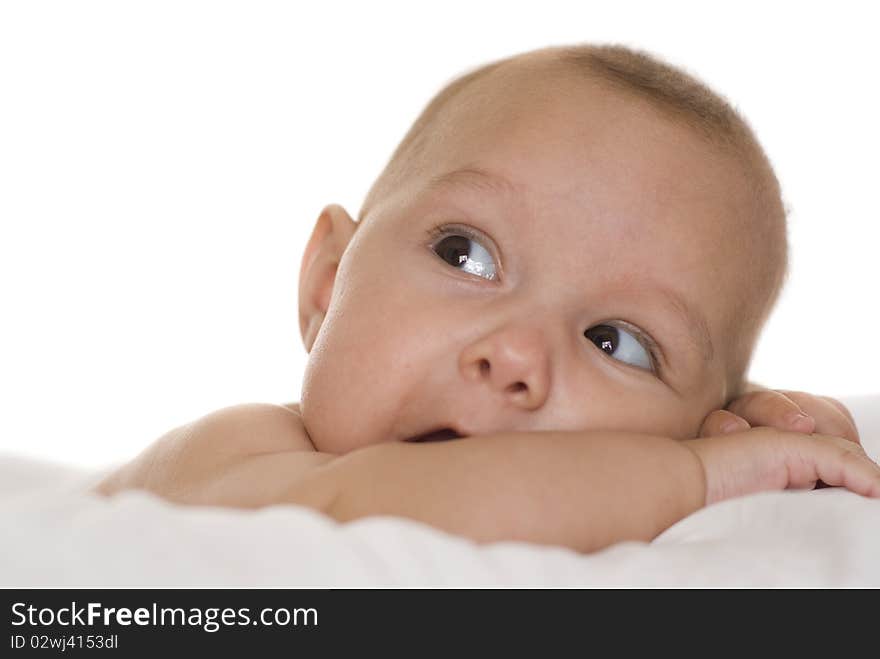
513 361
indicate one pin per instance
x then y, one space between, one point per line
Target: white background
162 165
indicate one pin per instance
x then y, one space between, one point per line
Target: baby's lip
437 434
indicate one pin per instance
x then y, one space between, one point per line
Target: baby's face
586 279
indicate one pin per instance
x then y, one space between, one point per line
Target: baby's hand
794 411
766 459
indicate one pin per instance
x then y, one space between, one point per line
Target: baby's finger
832 417
722 422
773 409
843 408
839 462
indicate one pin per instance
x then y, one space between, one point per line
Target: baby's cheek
351 392
682 419
666 417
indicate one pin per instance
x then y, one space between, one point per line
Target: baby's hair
683 99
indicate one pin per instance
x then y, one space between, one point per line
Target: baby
532 332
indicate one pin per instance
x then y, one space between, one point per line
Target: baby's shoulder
254 428
181 463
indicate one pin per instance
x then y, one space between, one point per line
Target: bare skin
568 434
583 490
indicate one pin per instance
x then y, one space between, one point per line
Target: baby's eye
465 253
620 344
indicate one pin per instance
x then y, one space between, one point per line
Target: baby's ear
317 274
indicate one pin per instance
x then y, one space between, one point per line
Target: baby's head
574 238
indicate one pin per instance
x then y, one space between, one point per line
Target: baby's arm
577 489
584 490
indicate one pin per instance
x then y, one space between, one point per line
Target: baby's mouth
439 435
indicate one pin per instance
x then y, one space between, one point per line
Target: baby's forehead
590 161
579 166
526 119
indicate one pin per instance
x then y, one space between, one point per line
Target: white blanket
54 533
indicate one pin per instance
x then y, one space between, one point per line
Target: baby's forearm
584 490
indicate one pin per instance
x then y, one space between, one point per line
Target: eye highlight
463 249
623 345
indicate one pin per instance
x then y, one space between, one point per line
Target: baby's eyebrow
698 328
473 177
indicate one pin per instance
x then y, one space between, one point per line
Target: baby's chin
337 440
